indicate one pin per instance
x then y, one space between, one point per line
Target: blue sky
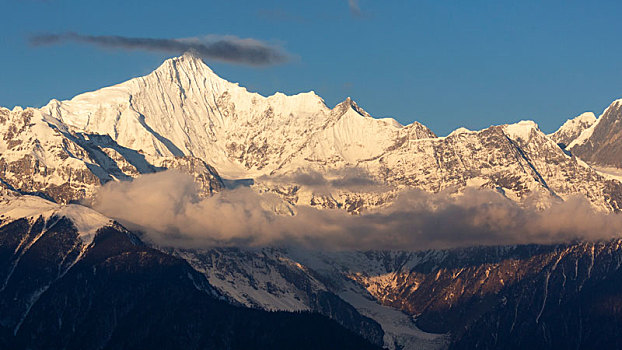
444 63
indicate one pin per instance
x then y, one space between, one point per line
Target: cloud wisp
351 179
355 9
166 207
230 49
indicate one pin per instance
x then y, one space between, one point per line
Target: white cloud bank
165 206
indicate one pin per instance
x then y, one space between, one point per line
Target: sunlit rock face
600 144
508 297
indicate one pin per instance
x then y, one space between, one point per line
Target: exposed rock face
490 297
553 297
601 144
37 158
205 176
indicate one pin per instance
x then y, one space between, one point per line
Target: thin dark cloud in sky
355 9
167 208
230 49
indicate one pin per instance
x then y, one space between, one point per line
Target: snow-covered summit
522 130
460 130
573 128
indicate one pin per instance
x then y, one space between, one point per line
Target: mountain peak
521 130
461 130
573 128
349 103
191 58
189 64
586 116
597 144
190 55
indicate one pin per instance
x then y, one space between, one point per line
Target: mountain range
67 269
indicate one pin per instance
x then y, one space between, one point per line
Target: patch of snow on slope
609 172
400 330
13 208
585 135
521 130
87 221
256 281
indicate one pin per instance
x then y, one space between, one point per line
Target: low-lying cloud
350 178
166 207
228 48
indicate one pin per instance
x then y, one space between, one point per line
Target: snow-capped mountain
572 128
183 109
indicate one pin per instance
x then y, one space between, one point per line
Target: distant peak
584 120
572 129
190 55
348 103
461 130
189 62
586 116
530 124
191 58
521 130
